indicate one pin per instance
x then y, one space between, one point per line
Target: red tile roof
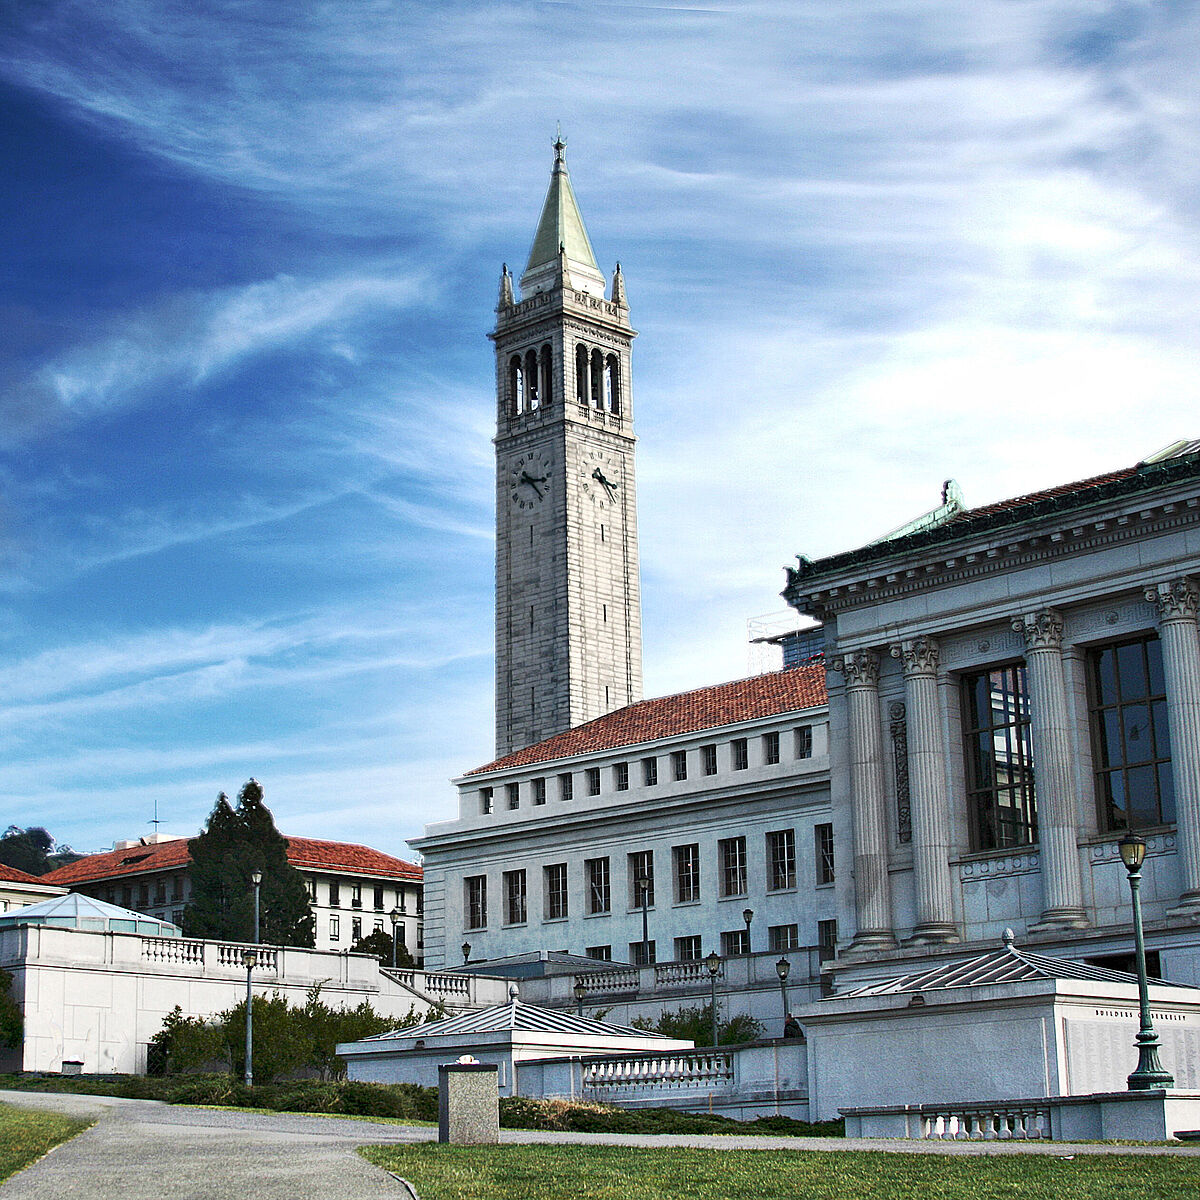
1063 489
12 875
666 716
306 853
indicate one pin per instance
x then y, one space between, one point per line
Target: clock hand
533 483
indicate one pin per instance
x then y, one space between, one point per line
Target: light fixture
1133 851
782 968
466 952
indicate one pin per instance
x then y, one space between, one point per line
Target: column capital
1042 630
860 668
1176 599
920 656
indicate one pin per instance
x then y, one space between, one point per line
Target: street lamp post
256 878
249 959
466 953
580 990
747 916
782 967
394 917
1149 1073
643 891
713 962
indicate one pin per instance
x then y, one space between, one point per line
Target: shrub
694 1024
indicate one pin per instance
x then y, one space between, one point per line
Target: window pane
1131 671
1142 784
1105 676
1166 792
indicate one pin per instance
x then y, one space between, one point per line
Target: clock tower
568 606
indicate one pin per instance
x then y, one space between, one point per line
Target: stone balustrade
987 1122
679 1069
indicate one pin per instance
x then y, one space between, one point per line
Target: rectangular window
783 937
485 801
378 898
513 792
679 764
356 895
566 786
650 771
335 928
732 853
736 941
599 887
1131 745
771 747
555 891
143 894
335 893
539 791
823 847
641 954
781 859
599 953
740 749
593 781
377 927
641 879
355 928
310 885
621 777
687 949
826 940
475 901
687 873
708 756
1000 768
514 898
804 741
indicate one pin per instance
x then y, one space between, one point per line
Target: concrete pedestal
468 1103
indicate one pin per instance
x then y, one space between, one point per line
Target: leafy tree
236 842
695 1024
33 850
379 943
11 1021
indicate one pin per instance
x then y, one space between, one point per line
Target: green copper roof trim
561 223
1146 477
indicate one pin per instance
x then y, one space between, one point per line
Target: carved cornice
919 657
861 669
1176 600
1042 630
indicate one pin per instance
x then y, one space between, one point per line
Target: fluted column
930 802
1178 602
1054 775
872 891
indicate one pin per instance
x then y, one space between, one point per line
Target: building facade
353 890
568 606
19 889
1011 688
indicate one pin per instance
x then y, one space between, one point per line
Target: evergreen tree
236 842
379 943
33 850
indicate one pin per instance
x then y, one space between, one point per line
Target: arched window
516 385
612 385
545 387
581 374
597 380
533 398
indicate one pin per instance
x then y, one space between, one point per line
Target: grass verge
26 1136
674 1173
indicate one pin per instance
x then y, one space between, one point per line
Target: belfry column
1178 602
872 892
1054 777
930 802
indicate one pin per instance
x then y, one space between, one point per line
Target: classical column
872 891
927 784
1054 774
1178 602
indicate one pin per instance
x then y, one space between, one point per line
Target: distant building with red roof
19 888
353 889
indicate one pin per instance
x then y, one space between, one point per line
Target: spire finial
1008 938
560 148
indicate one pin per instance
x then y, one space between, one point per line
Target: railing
625 979
456 986
1027 1121
683 1069
231 956
172 950
695 971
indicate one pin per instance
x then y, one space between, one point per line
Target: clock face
601 478
529 479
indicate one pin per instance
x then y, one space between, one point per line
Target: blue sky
250 255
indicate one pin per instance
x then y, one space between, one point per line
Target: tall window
823 846
827 937
513 791
485 800
804 741
687 873
1134 786
599 890
708 756
781 858
679 764
566 786
687 949
378 898
593 781
514 898
475 901
740 750
1000 792
335 928
555 884
641 871
771 747
335 893
621 777
649 771
539 791
732 853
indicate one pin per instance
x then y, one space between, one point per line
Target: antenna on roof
155 821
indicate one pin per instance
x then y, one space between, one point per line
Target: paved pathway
146 1150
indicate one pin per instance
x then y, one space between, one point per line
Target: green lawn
26 1135
633 1173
